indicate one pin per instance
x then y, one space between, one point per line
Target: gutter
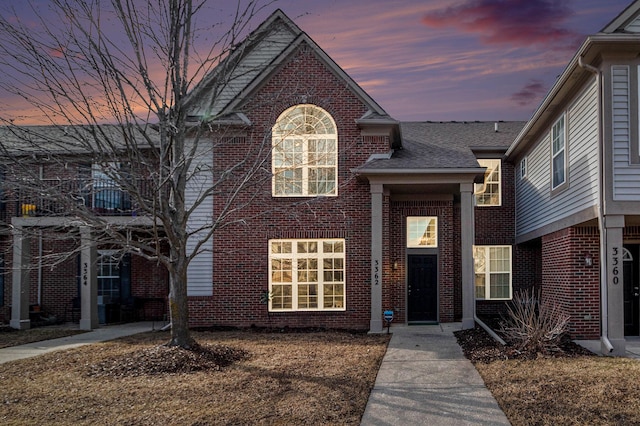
604 300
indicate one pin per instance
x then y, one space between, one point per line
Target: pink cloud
530 94
515 22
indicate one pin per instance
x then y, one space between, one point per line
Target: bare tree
110 80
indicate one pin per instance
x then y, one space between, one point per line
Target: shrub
533 324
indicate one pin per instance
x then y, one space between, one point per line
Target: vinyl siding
634 26
255 62
535 205
626 177
200 271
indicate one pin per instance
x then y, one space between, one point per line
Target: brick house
352 212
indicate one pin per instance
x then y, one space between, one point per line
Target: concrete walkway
102 334
425 379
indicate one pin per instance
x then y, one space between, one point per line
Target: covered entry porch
422 236
67 270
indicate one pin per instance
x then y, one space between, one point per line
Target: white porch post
467 239
613 282
20 284
376 258
88 280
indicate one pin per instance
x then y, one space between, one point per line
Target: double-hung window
492 266
108 275
306 275
488 193
305 153
558 153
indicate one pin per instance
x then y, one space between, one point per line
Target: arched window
305 153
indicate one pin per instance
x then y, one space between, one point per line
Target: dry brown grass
288 378
566 391
563 388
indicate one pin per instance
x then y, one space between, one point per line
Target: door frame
421 251
635 266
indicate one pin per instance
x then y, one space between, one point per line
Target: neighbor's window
306 275
492 266
488 192
422 232
108 275
558 153
305 153
523 168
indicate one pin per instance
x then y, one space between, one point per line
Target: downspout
40 267
489 330
604 300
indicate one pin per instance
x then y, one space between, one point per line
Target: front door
422 288
631 290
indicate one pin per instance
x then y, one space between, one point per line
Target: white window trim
278 137
480 188
488 272
320 255
562 152
523 167
416 220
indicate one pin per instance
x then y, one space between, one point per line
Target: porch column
376 258
88 280
467 239
613 282
20 280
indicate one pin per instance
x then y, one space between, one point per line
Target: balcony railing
56 197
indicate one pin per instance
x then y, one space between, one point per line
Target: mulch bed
479 346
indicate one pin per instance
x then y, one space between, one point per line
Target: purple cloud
515 22
530 94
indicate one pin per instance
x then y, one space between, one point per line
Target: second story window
305 153
558 153
488 193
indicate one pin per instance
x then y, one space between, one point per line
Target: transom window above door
422 231
305 153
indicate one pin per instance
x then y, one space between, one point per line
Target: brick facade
569 282
240 258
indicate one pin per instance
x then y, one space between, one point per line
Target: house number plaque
615 265
376 272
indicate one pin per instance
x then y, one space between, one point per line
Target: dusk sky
441 60
444 60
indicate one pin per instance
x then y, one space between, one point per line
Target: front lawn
275 378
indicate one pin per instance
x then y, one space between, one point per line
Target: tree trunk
178 305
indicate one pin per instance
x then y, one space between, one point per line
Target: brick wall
395 289
567 281
496 226
240 257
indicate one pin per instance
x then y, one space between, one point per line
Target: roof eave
573 67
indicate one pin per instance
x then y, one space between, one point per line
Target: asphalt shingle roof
444 145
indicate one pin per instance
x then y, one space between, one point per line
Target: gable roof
628 17
220 94
622 33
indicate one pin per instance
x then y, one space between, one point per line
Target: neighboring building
578 185
354 213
